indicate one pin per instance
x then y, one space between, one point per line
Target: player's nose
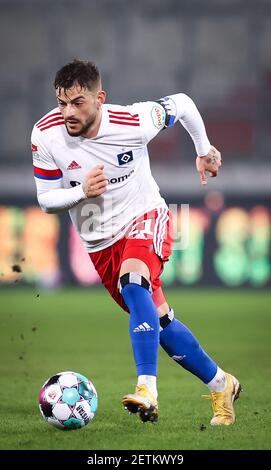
69 111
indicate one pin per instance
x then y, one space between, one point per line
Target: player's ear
101 97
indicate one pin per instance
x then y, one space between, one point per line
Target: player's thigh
135 265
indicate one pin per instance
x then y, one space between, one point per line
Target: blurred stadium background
218 52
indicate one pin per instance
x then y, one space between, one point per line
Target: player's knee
134 265
132 281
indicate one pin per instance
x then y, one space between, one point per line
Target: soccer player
91 158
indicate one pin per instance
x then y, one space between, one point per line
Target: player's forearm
189 116
57 200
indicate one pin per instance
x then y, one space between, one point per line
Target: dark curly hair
85 73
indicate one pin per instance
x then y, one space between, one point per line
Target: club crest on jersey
124 158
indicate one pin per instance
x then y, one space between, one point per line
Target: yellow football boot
143 403
222 402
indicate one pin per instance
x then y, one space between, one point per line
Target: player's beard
84 127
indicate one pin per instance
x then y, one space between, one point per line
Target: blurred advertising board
228 245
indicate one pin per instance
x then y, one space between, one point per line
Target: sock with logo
182 346
143 327
219 382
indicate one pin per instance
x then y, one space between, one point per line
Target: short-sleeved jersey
62 161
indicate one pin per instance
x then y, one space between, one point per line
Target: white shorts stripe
159 230
156 226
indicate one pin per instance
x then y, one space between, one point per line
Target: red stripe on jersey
122 114
59 123
48 117
123 123
47 173
55 119
134 118
119 118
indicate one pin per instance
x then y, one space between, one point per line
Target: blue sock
144 328
180 344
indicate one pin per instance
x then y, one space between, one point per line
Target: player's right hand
95 182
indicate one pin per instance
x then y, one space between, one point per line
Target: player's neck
94 129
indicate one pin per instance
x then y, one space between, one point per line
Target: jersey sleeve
165 112
182 108
52 197
152 119
44 166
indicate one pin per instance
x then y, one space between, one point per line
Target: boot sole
145 413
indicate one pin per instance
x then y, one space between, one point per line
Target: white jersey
62 161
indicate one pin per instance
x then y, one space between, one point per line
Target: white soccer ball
68 400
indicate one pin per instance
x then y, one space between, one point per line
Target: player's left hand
208 163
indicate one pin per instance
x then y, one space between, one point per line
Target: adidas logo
73 166
143 327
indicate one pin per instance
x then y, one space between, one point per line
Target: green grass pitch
85 331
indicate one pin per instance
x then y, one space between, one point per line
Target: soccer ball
68 400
